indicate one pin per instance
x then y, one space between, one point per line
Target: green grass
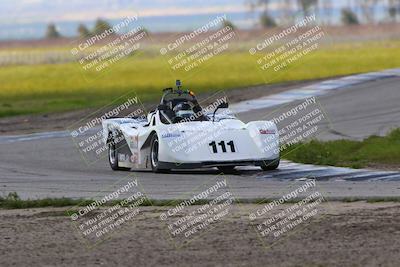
372 151
31 89
12 201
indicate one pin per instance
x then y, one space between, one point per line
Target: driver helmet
183 110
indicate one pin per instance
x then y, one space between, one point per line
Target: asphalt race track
48 165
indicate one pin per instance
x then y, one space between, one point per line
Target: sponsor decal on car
170 135
266 131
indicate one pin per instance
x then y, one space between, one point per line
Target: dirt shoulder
345 234
27 124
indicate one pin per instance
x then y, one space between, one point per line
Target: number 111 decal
221 144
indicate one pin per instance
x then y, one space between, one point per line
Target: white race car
179 134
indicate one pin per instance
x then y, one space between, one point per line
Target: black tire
113 158
269 166
226 169
154 146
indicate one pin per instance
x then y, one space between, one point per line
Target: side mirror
162 107
222 105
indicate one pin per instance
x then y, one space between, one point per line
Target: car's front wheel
270 165
154 152
226 169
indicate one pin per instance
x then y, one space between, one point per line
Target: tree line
352 12
100 26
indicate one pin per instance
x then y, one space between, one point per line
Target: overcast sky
61 10
12 11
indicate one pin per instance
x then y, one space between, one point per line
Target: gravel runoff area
343 234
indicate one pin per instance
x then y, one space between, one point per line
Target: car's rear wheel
154 149
113 157
270 165
226 169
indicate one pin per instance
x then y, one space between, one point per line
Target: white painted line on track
295 171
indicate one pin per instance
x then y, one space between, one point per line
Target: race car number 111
214 146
